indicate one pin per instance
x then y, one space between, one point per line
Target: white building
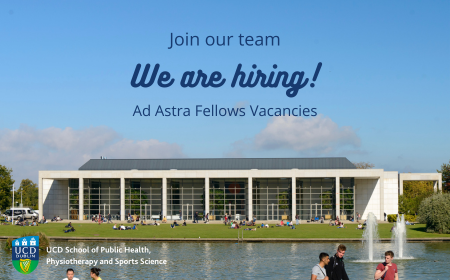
279 188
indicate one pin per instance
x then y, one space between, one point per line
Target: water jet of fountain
399 236
370 235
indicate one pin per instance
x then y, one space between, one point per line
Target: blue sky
382 93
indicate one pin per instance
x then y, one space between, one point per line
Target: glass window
228 196
272 198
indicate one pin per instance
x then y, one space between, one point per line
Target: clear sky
382 95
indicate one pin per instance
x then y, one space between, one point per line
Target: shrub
44 242
434 212
392 218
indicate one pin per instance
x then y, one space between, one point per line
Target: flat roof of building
218 164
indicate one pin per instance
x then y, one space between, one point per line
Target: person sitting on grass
122 227
331 223
172 226
341 225
175 223
156 224
232 225
292 226
184 223
134 227
164 220
254 229
143 223
360 226
69 224
115 227
409 223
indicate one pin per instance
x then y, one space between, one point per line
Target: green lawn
212 231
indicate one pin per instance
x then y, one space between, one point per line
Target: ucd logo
25 254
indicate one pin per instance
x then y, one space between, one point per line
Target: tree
414 192
434 211
363 165
29 192
6 183
445 170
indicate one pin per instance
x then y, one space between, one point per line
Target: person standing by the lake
336 268
318 271
95 273
70 275
387 270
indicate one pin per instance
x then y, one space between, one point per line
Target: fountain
399 237
370 235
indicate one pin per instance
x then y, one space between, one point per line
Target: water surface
238 261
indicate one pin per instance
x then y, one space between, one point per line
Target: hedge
392 218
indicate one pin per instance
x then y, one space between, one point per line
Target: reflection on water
230 260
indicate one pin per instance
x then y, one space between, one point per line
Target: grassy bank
212 231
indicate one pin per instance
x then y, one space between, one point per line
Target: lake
230 260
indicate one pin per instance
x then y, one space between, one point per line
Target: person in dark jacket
336 268
196 217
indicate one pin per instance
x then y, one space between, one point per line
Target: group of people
56 219
122 227
317 219
150 223
23 222
333 268
337 222
175 224
71 229
94 274
288 223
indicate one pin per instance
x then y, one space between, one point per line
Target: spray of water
399 237
370 235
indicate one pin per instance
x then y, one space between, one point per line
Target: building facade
268 189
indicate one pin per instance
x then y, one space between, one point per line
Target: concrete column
338 197
294 198
207 196
122 199
439 186
400 185
250 198
41 197
80 199
435 186
164 197
381 184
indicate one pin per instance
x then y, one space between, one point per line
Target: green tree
445 170
29 192
414 192
434 211
6 184
363 165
